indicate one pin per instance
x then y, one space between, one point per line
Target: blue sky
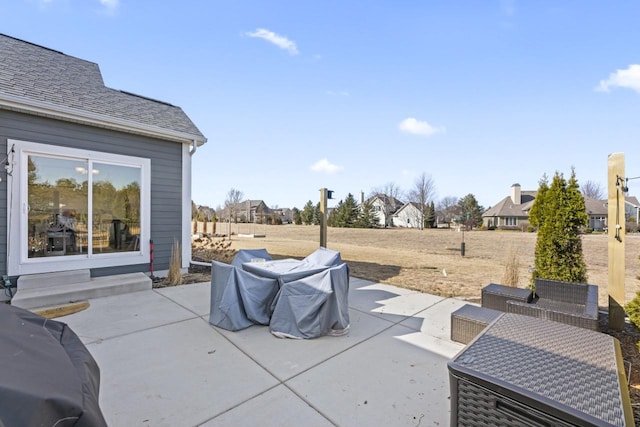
297 95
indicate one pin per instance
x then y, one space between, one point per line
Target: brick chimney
516 196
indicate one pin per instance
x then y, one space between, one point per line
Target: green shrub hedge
633 310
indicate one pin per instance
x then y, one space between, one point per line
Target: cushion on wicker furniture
566 302
495 296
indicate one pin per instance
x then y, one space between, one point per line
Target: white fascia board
95 119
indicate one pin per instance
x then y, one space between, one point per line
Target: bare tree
592 190
232 202
389 189
422 193
448 208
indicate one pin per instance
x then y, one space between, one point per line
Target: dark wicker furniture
528 371
469 320
566 302
495 296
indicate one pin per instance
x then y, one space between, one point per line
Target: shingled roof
506 207
42 81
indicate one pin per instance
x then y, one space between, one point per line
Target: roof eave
40 108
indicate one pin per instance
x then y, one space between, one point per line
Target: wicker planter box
469 320
528 371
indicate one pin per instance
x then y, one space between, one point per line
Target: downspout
193 150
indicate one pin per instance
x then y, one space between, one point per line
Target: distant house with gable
384 207
252 211
512 212
409 215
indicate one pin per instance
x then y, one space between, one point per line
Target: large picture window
80 207
60 220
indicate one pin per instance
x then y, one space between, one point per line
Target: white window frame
18 262
511 221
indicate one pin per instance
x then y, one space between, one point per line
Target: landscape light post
324 196
462 244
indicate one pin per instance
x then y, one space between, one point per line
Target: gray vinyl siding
166 176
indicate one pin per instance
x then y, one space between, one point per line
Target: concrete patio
163 364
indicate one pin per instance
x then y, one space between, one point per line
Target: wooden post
323 217
616 222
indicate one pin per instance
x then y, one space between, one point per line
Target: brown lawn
430 260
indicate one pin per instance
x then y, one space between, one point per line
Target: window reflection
116 208
60 221
57 214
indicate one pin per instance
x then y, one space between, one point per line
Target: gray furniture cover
285 270
246 255
324 256
239 299
313 306
49 376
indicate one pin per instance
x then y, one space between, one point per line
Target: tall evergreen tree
431 217
307 213
559 214
470 211
316 214
346 213
367 216
297 218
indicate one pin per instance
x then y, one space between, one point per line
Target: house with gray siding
92 175
512 212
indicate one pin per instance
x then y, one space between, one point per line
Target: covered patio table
285 270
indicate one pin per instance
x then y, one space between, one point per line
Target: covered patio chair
324 256
239 299
246 255
313 306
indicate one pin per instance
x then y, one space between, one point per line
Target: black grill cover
47 376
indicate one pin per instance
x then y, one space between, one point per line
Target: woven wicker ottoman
469 320
528 371
495 296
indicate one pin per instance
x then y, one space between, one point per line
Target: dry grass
416 259
175 275
511 276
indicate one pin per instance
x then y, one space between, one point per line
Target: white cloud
110 4
629 78
417 127
338 93
278 40
325 166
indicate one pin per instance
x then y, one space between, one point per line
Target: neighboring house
598 212
512 211
285 215
252 211
93 174
632 209
408 215
384 207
